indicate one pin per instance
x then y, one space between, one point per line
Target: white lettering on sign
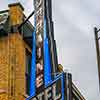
56 97
39 52
39 80
40 96
49 93
38 3
39 7
39 68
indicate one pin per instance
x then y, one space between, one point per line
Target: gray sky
73 22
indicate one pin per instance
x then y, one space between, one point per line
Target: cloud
73 23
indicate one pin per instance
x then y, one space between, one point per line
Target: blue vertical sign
40 74
32 86
43 58
47 60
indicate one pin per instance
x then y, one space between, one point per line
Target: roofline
4 11
16 4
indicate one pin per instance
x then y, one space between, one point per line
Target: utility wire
26 19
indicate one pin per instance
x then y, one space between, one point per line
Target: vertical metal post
69 86
97 50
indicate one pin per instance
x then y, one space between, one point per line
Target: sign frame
63 80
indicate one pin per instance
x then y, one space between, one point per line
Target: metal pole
69 86
97 51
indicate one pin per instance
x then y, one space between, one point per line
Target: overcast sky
73 23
